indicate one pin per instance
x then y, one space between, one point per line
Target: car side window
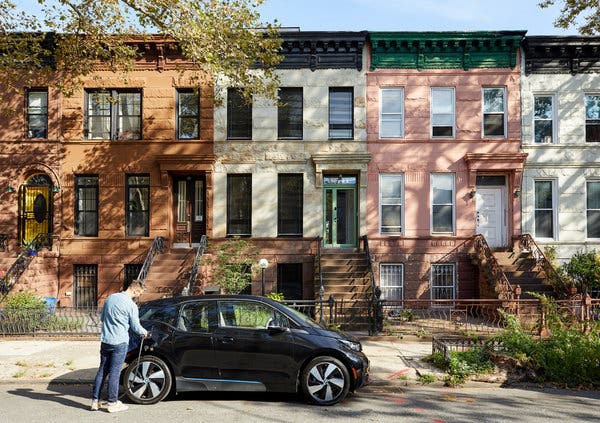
196 317
167 314
249 314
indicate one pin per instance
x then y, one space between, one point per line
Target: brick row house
411 142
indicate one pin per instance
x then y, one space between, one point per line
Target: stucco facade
564 69
413 66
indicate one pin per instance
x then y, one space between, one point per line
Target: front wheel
147 381
325 381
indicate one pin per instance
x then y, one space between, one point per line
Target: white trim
453 91
554 119
392 176
431 177
504 112
554 188
397 287
401 113
454 280
587 209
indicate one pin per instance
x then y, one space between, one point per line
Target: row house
104 172
443 129
560 92
408 143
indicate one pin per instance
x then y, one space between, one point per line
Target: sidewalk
394 361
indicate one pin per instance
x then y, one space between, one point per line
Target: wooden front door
189 199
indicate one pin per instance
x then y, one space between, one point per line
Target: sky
405 15
414 15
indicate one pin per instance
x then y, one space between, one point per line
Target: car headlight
354 346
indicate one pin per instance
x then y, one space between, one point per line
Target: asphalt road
414 403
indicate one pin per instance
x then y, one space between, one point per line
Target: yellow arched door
36 208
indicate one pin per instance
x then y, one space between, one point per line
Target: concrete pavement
394 360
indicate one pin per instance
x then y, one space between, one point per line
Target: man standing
119 314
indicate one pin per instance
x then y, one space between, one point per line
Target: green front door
340 217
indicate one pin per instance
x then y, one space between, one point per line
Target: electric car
240 343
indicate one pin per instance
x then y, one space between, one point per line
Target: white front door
489 212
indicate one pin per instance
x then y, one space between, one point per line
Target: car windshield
303 317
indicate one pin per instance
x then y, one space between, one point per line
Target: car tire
325 381
148 381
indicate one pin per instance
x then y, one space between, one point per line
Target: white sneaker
115 407
95 406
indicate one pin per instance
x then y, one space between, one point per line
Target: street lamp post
263 264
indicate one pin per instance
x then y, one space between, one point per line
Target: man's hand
148 335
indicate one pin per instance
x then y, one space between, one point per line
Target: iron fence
82 321
435 317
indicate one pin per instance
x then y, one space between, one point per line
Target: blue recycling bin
50 304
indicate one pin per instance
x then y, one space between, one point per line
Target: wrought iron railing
493 271
375 312
21 263
527 243
320 276
191 286
156 247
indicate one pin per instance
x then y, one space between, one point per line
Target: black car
240 343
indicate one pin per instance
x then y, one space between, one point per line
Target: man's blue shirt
119 314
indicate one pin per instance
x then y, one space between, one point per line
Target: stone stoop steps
346 278
521 269
169 274
40 276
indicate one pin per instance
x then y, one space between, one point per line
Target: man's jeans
111 361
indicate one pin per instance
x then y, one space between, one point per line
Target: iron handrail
374 311
191 286
528 243
320 272
156 247
483 250
20 265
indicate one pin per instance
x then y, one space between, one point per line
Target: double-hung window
290 114
593 208
239 205
341 113
543 119
37 114
391 203
138 205
544 209
113 115
443 282
188 114
239 116
442 112
592 118
289 204
494 112
391 281
86 205
391 113
442 203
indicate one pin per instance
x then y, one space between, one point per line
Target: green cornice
444 50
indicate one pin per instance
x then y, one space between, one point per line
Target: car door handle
226 340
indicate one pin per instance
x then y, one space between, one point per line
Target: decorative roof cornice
445 50
567 54
322 50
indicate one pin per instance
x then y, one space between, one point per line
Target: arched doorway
35 208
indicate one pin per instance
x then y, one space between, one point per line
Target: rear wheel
325 381
148 381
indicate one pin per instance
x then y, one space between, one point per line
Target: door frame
503 229
335 186
188 177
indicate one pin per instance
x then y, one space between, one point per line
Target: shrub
23 312
232 264
583 270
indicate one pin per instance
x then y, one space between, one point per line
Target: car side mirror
276 326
